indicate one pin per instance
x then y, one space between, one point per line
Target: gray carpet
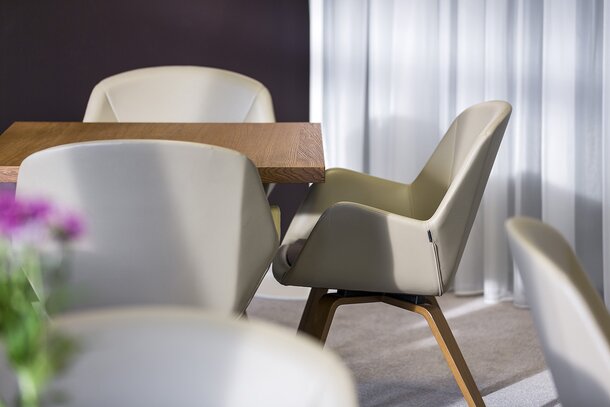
396 361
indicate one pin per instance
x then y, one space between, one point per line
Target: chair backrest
448 190
167 222
572 321
183 357
179 94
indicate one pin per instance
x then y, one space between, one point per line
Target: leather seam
437 261
112 109
253 102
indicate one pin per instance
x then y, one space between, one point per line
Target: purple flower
20 215
16 214
11 213
38 210
68 227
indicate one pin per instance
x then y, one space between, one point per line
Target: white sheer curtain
388 76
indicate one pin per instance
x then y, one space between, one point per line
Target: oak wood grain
282 152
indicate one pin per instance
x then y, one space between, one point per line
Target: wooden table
282 152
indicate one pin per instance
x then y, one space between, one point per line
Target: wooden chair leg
320 310
321 307
433 314
318 314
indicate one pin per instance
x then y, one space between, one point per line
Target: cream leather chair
182 357
377 240
167 222
571 319
179 94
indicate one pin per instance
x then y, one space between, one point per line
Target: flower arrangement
34 237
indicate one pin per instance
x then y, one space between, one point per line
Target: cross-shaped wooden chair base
321 307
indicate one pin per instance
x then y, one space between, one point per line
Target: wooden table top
282 152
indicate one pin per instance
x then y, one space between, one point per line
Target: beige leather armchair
179 94
572 321
377 240
184 357
167 222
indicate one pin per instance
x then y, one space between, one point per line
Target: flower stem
27 389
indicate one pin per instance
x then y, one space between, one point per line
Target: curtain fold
393 74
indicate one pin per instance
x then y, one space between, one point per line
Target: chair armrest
358 247
342 185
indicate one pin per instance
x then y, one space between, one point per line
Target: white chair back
179 94
167 222
449 188
183 357
572 322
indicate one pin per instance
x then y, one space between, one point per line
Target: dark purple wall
52 53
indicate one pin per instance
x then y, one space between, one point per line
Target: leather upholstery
182 357
168 222
179 94
359 232
572 321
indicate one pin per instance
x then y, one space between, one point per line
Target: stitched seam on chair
439 275
112 109
252 103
